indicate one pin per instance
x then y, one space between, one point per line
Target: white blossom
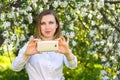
68 17
16 23
40 8
77 11
64 4
71 26
100 4
84 9
113 7
109 5
111 29
93 32
118 45
6 24
96 43
13 37
109 44
45 1
47 7
5 33
110 38
107 64
30 19
99 16
11 14
10 46
23 26
93 23
61 24
13 8
63 33
103 59
34 5
118 72
103 72
2 17
102 42
7 41
113 59
87 2
118 52
22 38
67 34
55 4
94 12
22 12
72 34
115 77
91 52
17 14
90 16
83 14
105 77
104 26
34 1
29 8
74 43
7 47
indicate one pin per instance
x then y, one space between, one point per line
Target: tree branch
12 3
1 39
107 20
112 2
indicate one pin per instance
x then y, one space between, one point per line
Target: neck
47 38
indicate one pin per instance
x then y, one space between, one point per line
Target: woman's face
48 26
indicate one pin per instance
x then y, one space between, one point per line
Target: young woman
45 65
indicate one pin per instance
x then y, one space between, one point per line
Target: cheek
55 27
42 28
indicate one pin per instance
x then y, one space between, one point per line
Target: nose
47 26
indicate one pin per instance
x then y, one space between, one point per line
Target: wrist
69 55
25 56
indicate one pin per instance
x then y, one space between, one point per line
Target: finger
63 39
57 39
58 51
68 39
32 43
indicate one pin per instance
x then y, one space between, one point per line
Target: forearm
69 56
71 60
25 57
20 61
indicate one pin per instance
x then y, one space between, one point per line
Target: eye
51 22
42 23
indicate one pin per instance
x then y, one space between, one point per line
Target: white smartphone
44 46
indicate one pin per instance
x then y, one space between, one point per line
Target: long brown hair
38 30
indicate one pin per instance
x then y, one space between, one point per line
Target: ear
56 26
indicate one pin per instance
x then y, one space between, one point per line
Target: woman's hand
63 45
31 48
64 48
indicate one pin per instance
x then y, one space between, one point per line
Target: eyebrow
49 22
42 22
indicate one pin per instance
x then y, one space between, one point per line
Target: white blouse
43 66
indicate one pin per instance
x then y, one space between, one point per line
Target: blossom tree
93 27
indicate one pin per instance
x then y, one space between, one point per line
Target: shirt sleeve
72 63
19 63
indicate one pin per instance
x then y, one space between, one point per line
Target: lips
47 32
